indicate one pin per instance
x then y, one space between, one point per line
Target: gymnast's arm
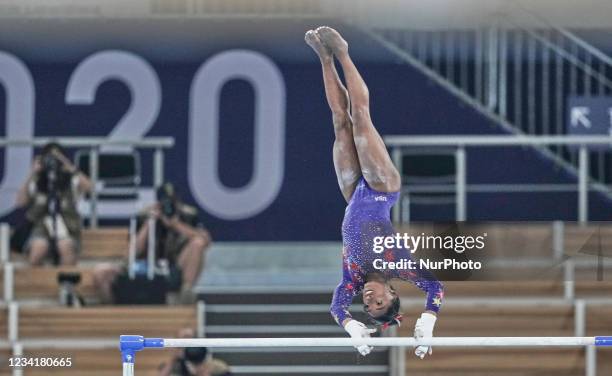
424 280
343 296
340 305
342 299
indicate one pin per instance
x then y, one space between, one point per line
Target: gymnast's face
377 297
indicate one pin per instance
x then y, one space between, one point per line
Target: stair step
104 322
331 357
266 298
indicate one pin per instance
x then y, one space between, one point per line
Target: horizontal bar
148 142
292 16
386 341
289 350
495 140
327 369
603 341
490 188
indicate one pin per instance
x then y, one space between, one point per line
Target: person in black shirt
193 361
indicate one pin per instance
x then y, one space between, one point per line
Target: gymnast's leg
346 162
376 165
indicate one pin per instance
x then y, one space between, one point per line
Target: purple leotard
367 216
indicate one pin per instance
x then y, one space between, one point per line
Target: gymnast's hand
358 330
424 329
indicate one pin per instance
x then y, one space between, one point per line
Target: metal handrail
494 140
566 33
587 46
565 55
148 142
397 143
487 85
158 144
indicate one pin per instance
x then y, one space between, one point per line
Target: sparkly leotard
366 217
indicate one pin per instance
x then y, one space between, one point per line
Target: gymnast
370 184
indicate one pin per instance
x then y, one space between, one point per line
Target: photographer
179 240
193 361
50 195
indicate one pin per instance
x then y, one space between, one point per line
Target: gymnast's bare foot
312 39
332 39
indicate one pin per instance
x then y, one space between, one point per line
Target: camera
193 357
167 207
50 163
196 355
68 296
167 200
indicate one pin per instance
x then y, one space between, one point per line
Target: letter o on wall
269 122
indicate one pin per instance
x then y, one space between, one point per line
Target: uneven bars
130 344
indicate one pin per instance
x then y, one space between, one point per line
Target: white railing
514 73
398 144
94 144
16 343
5 236
579 307
397 356
153 9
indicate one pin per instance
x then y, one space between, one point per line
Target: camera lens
168 207
50 163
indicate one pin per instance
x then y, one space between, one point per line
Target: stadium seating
41 282
103 322
3 323
501 289
40 321
105 243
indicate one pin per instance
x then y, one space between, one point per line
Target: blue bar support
130 345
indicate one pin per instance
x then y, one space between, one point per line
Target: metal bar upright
397 155
583 184
531 85
5 234
151 244
518 79
17 353
591 360
493 68
503 73
461 183
13 322
158 167
9 282
558 230
568 279
201 319
93 195
579 317
132 249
